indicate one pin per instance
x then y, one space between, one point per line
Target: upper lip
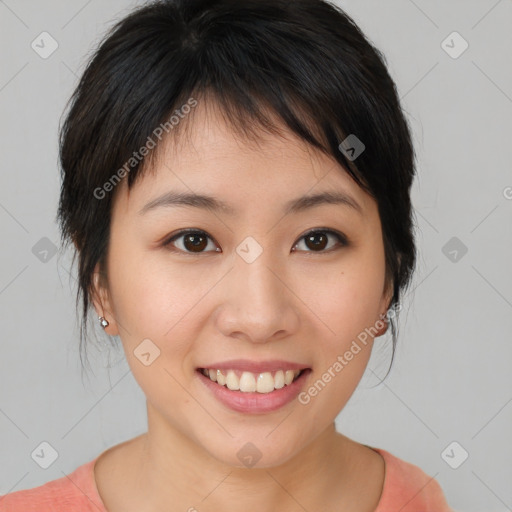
246 365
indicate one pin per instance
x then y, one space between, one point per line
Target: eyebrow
207 202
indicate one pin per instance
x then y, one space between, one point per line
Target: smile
253 393
249 382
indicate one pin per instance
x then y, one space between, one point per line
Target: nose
255 302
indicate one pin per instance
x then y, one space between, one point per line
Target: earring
103 322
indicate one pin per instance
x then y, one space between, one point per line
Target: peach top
406 488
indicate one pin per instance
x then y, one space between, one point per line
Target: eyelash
342 240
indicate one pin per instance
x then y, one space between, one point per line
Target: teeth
221 378
279 379
232 381
266 382
249 382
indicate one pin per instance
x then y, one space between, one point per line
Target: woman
236 184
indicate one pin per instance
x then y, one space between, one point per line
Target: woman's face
255 284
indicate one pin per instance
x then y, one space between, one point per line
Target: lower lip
255 402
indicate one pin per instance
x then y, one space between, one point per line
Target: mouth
251 382
248 392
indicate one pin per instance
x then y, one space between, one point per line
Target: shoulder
71 493
408 488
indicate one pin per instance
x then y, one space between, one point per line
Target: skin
303 305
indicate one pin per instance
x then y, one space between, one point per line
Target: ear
387 296
101 301
385 302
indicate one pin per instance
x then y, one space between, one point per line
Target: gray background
451 380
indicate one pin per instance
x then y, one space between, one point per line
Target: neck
174 469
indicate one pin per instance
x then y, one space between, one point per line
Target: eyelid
324 229
342 239
168 241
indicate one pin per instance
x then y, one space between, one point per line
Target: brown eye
196 241
317 240
190 241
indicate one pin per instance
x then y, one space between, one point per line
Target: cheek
154 306
153 299
346 298
345 351
336 376
347 303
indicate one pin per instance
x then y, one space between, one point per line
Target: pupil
196 244
314 238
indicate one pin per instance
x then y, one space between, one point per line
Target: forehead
209 157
